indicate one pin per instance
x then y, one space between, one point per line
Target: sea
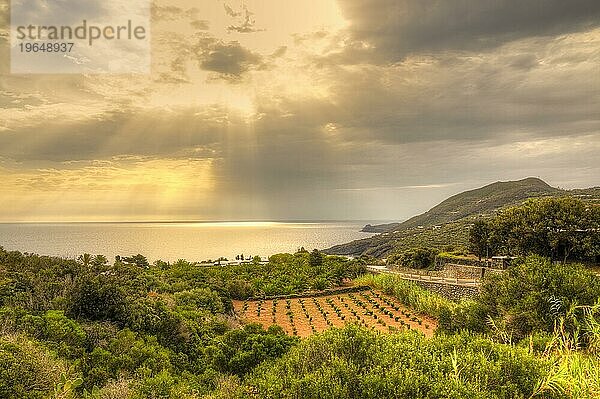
170 241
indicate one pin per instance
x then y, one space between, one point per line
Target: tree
479 237
161 264
96 298
558 228
316 258
99 261
85 259
138 260
419 258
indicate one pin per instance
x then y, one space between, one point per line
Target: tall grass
576 356
574 350
409 294
451 316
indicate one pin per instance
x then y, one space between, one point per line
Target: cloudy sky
312 109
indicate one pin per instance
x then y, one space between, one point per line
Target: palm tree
85 259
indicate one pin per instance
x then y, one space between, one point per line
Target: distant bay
194 241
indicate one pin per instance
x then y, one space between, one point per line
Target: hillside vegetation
447 224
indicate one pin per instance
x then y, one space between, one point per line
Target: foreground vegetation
356 363
90 329
79 328
552 309
532 296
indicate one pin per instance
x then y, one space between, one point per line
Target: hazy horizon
231 222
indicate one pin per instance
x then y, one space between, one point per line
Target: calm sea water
172 241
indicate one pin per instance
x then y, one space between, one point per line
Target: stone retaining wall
489 271
449 291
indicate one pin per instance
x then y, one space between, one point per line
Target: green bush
163 385
239 351
416 258
97 298
27 369
127 353
533 294
62 334
200 298
358 363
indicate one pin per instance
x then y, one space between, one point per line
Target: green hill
448 222
474 202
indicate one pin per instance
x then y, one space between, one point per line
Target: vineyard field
305 316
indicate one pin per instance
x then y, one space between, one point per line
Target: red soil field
305 316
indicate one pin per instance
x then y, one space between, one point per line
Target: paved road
430 279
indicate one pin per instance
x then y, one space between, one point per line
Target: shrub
97 298
239 351
27 370
533 294
358 363
200 298
418 258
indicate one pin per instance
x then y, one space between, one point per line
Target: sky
306 110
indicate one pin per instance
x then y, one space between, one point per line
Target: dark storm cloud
307 170
397 28
285 165
467 101
536 87
230 59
